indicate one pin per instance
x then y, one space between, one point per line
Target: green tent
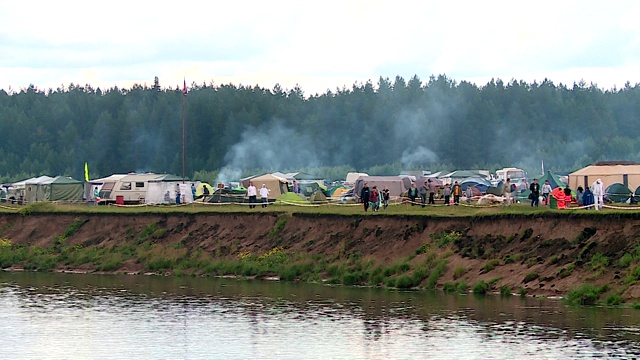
618 193
59 188
554 180
318 197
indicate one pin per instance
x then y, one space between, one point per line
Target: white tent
164 191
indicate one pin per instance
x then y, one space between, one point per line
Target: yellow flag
86 172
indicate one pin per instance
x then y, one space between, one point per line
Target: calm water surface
67 316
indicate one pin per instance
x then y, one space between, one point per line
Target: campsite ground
519 249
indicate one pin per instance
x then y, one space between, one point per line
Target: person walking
423 194
264 195
413 194
432 191
534 188
598 194
374 198
252 193
365 194
546 191
456 191
447 194
385 197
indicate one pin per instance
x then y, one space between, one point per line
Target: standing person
296 188
364 196
423 194
469 194
587 198
447 194
374 198
264 195
252 193
546 191
579 194
598 194
413 194
567 196
506 191
535 193
385 197
205 192
96 195
178 196
432 191
193 191
456 191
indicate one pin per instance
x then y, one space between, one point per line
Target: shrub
404 282
625 260
459 271
449 287
523 292
614 300
490 265
462 287
505 290
480 288
422 249
530 277
586 295
598 262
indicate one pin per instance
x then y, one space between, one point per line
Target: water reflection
64 316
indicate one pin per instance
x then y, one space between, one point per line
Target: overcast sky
319 45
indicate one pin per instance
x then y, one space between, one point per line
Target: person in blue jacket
587 198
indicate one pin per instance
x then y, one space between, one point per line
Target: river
73 316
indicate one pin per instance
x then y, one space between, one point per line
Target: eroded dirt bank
549 254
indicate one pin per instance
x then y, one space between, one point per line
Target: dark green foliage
480 288
505 290
586 295
530 277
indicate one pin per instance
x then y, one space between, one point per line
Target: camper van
518 177
142 189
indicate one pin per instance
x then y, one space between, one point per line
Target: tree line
381 128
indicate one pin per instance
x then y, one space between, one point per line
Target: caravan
141 189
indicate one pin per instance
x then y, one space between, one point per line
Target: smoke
270 146
419 155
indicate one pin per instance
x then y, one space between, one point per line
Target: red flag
184 89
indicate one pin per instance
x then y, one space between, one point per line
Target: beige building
623 172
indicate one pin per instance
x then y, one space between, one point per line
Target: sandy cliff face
548 254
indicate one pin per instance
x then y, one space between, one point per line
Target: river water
71 316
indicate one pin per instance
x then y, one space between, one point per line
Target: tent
636 195
200 189
237 195
59 188
353 176
625 172
478 182
292 198
618 193
276 185
318 197
395 184
554 181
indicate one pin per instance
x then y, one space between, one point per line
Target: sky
317 45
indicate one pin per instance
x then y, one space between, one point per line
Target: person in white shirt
252 192
598 194
264 195
546 191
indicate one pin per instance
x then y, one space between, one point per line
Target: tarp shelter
625 172
59 188
618 193
554 181
275 184
395 184
353 176
34 180
163 190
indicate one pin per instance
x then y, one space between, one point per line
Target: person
167 197
423 194
96 195
534 188
587 198
296 187
264 195
546 191
567 196
447 194
579 195
469 194
506 191
456 191
178 197
205 192
252 193
432 191
193 191
385 197
374 198
364 196
413 194
598 194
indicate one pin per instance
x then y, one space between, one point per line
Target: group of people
590 197
372 197
252 193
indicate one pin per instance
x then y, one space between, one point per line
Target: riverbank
548 254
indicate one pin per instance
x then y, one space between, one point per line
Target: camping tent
396 184
618 193
478 182
59 188
162 190
276 185
318 197
554 180
625 172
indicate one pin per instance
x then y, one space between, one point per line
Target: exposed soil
546 245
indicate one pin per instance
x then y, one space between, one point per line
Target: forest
382 128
